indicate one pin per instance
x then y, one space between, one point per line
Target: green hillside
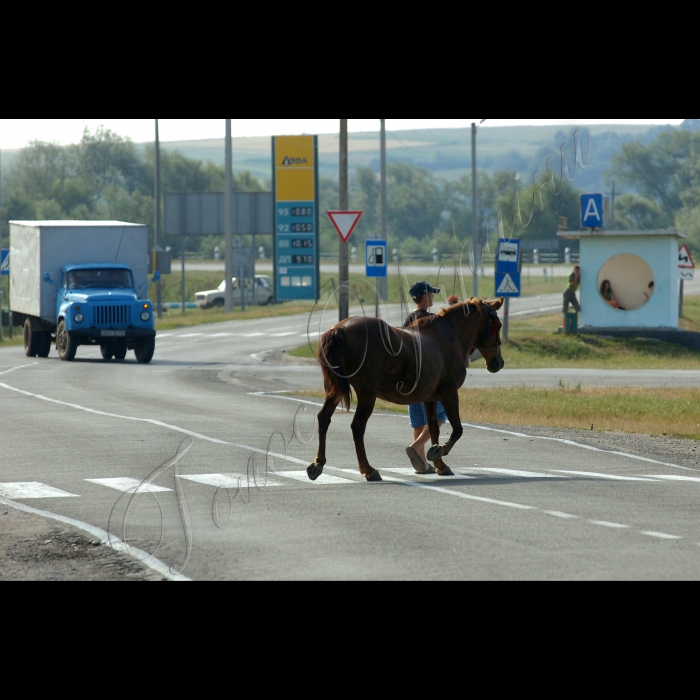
446 152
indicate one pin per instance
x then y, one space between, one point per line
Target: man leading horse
422 364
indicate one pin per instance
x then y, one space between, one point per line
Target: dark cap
420 289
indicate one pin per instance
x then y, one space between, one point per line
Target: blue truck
77 283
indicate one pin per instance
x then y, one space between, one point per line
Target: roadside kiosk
629 279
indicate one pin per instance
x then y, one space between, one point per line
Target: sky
17 133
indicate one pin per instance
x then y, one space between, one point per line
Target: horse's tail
337 386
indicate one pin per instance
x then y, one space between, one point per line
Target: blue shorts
419 418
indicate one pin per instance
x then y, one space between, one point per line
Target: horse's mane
466 305
462 307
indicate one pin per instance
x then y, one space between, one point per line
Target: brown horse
425 363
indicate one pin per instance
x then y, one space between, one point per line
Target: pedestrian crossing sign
508 284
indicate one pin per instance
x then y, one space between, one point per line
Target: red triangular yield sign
685 259
345 222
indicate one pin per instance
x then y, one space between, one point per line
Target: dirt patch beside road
35 549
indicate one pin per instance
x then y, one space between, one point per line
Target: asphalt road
524 505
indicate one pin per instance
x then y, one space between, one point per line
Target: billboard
295 193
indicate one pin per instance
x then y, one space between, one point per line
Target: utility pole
157 224
344 271
475 215
612 208
383 282
229 219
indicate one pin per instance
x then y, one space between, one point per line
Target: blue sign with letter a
5 261
592 211
377 258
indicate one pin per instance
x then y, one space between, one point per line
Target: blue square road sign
508 284
5 261
592 211
377 259
508 256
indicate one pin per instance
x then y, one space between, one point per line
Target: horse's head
489 341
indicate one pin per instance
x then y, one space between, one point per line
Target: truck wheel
31 340
66 346
144 350
107 352
219 303
120 350
45 345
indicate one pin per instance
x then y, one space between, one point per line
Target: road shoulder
35 549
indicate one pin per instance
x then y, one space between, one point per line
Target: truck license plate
114 334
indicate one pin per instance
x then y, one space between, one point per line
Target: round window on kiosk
626 282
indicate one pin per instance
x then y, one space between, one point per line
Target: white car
216 299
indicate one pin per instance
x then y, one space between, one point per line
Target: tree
634 213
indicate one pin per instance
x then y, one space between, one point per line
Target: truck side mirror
157 276
47 278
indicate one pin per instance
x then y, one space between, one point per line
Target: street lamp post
344 272
382 282
475 213
157 224
229 219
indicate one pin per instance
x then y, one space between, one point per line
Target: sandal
418 463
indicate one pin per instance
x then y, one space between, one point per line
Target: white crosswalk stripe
324 480
23 491
230 481
126 485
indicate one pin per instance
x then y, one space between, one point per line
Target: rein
490 333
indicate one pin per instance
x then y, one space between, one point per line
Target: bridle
492 332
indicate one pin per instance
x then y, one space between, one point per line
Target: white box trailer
41 247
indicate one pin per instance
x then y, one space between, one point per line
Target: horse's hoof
375 478
446 472
435 453
314 472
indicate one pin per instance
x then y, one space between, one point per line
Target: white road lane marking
563 516
253 335
14 369
514 473
676 478
229 481
24 491
126 485
106 540
661 536
412 472
323 480
191 335
609 477
612 526
282 335
459 494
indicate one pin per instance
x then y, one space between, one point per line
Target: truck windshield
100 279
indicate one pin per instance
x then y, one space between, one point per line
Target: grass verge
534 344
640 411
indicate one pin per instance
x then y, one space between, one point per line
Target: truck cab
99 305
